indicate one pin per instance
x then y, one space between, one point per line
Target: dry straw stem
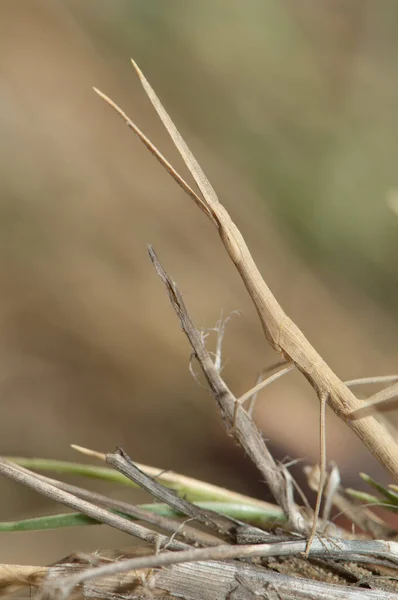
184 485
368 551
221 525
15 577
53 492
212 580
188 534
283 335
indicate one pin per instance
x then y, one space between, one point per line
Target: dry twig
87 508
190 535
223 526
364 551
236 419
180 483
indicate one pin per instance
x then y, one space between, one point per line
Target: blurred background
291 108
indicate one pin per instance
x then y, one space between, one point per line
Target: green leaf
364 497
48 522
186 487
390 496
72 468
247 513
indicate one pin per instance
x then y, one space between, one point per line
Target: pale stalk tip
136 68
88 452
102 95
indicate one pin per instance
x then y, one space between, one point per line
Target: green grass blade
48 522
72 468
364 497
243 512
249 514
389 495
193 490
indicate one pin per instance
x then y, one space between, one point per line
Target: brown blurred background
291 108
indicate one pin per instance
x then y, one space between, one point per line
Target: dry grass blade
31 480
155 152
221 525
196 170
183 483
189 535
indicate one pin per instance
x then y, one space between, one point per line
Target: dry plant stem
87 508
189 534
237 421
15 577
222 525
165 163
283 335
180 482
222 581
364 551
242 531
